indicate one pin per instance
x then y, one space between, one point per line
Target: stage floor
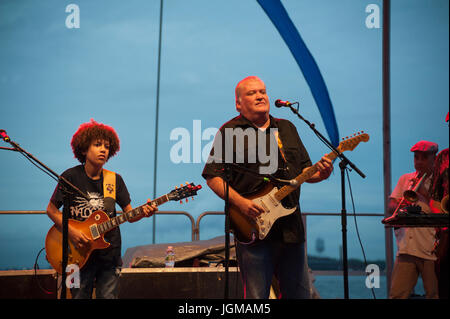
135 283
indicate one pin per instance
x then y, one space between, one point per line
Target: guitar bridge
94 231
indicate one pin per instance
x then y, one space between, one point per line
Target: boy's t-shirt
80 209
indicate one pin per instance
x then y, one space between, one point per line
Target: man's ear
238 106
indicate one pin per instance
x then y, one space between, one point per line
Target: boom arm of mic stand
8 149
17 148
327 143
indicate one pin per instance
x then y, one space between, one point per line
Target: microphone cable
36 267
356 227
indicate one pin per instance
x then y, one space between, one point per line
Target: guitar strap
109 190
280 145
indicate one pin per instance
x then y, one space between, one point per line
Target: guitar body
53 242
245 228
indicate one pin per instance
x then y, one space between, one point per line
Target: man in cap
415 253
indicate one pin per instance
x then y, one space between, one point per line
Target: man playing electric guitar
282 251
93 144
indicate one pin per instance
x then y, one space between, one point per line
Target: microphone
4 136
280 103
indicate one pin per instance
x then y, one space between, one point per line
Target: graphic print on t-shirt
83 208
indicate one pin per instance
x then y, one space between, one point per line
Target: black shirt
80 209
291 161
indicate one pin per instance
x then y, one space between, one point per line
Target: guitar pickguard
273 209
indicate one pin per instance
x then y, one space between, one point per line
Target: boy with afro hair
93 144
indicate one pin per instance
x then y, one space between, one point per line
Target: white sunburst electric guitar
247 229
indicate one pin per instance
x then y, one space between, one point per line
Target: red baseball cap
425 146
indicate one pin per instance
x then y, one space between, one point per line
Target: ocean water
332 287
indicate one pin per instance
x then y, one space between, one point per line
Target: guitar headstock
350 142
188 190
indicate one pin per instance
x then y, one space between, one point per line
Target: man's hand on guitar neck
324 169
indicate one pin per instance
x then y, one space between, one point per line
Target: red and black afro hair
92 131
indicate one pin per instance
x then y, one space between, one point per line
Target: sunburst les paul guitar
97 225
247 229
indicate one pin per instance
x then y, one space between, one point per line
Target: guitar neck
126 216
304 176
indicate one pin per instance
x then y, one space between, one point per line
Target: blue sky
53 78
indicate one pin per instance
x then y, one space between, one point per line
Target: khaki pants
405 274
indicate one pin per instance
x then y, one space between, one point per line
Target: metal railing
195 224
194 231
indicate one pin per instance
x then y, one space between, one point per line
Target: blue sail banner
279 17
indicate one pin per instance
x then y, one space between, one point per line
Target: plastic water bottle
170 257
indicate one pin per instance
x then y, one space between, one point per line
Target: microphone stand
226 178
228 168
342 165
65 186
228 172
